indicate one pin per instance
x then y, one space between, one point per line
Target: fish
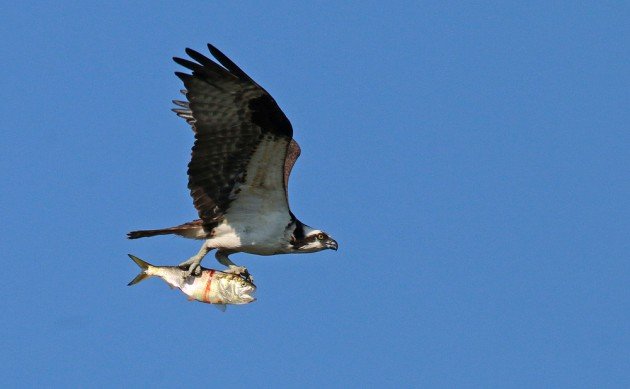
210 286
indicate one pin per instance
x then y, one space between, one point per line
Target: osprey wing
293 153
242 138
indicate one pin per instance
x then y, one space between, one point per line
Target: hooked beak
331 244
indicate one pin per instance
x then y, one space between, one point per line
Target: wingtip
229 64
183 62
211 47
190 51
215 52
183 76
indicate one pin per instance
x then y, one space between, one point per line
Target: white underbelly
262 235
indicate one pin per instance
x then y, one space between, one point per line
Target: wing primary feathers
195 67
202 59
184 77
181 103
229 65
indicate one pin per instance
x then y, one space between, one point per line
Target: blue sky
471 160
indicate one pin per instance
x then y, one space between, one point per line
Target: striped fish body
216 287
211 286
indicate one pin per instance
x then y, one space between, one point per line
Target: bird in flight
239 171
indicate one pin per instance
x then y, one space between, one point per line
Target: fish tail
143 274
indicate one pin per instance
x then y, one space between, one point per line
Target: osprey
239 171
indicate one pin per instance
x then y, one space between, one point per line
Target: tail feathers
143 274
193 230
147 233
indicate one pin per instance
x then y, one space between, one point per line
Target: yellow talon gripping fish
210 286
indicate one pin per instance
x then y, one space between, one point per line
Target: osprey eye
320 236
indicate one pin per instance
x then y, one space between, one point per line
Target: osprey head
308 240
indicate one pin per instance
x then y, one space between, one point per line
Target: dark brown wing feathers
188 230
229 65
230 115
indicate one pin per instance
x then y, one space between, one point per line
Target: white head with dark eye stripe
310 240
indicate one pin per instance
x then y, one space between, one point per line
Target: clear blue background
473 161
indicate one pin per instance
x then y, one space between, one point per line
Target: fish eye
320 236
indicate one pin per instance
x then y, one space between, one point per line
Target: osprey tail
191 230
147 233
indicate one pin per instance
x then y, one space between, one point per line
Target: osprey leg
222 257
194 262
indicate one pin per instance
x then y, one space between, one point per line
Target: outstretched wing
242 138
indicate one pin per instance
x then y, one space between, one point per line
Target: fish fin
143 274
142 264
139 277
221 307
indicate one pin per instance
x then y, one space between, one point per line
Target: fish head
236 290
245 290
